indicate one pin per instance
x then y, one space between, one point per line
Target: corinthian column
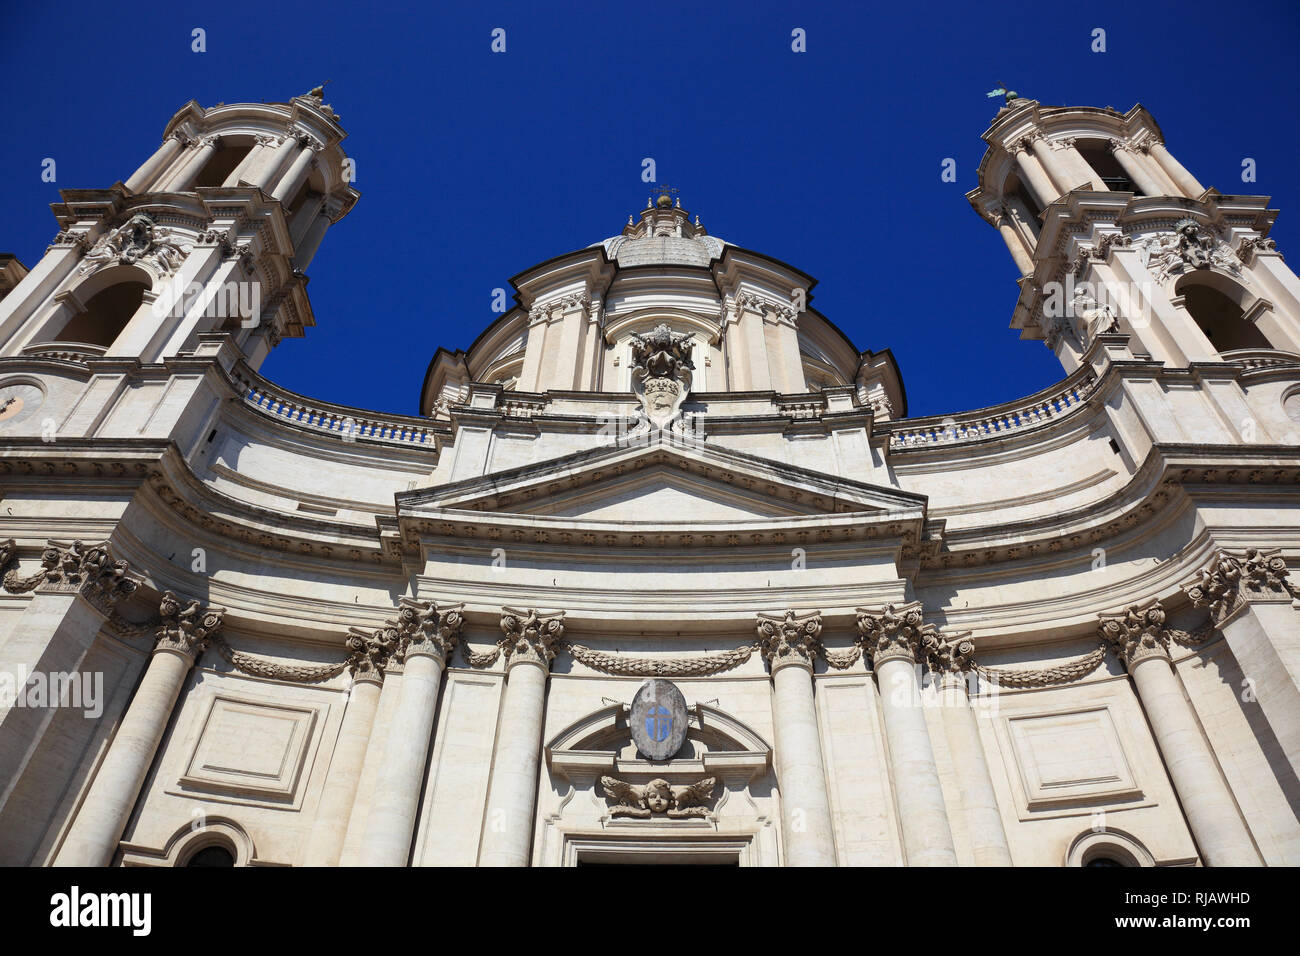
189 171
1176 171
1033 174
893 638
1140 640
529 645
1250 603
146 174
427 635
789 645
182 636
950 658
370 654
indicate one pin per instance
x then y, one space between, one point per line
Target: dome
663 250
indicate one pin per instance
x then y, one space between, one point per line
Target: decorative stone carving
661 372
1136 633
67 238
756 303
186 628
658 796
893 632
530 635
948 654
1092 318
1247 247
1189 246
371 650
425 628
89 570
790 639
1230 580
137 241
1112 239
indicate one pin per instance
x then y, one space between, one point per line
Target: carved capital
893 632
1246 248
792 639
1230 580
1136 633
370 651
425 628
186 628
75 568
530 635
948 654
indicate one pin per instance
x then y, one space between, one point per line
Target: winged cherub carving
658 796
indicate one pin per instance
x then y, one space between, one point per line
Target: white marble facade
242 623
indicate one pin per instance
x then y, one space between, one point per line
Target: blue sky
474 166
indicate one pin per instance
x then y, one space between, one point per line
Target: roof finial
665 200
1004 91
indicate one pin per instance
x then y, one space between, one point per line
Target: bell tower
211 234
1111 233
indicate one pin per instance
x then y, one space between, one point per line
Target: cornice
1167 470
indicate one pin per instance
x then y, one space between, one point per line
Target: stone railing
1260 358
800 408
66 351
346 424
1018 416
522 405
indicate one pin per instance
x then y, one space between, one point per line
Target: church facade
662 571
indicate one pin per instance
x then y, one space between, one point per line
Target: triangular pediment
665 480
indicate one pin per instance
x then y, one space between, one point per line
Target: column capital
531 636
792 639
73 568
1231 580
1137 632
948 655
1025 143
425 628
893 632
186 629
370 651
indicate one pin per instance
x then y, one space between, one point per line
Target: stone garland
1047 676
260 667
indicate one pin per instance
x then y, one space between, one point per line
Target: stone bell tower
1111 233
211 234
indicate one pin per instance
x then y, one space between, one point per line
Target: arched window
211 856
1107 847
1220 318
106 314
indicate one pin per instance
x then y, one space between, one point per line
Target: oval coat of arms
658 719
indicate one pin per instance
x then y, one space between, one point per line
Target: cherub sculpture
658 796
